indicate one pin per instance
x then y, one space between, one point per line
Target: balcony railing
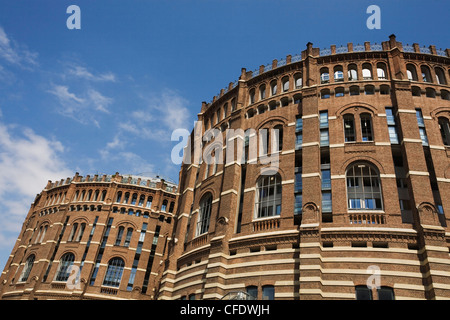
367 218
266 224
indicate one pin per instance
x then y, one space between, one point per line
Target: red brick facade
362 183
112 228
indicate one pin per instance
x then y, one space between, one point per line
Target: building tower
93 237
348 184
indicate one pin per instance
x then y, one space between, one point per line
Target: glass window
363 187
119 236
338 74
64 267
385 293
252 291
323 118
268 196
204 215
366 127
352 72
324 137
164 205
393 136
324 75
444 126
27 268
128 237
268 292
349 128
114 272
363 293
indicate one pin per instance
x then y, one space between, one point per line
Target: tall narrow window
164 206
273 88
426 75
134 199
349 128
64 267
114 272
149 202
128 237
204 215
72 233
411 72
262 92
298 81
421 124
324 75
27 268
119 236
141 200
80 232
285 82
381 71
363 188
440 76
279 132
268 196
338 74
252 96
352 72
444 126
366 127
367 71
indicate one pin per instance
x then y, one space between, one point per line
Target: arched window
430 93
367 71
325 93
268 196
445 95
171 207
385 293
233 104
339 92
363 293
369 89
126 197
352 72
149 202
384 89
363 187
128 237
426 74
440 76
89 195
80 232
204 215
119 236
354 90
349 128
77 193
411 72
381 71
96 195
134 199
278 133
285 83
444 126
164 205
415 91
324 75
298 81
338 74
72 233
103 195
261 109
114 272
218 116
65 263
225 110
273 88
119 196
141 200
366 127
262 92
27 268
252 96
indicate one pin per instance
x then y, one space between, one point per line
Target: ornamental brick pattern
112 228
363 181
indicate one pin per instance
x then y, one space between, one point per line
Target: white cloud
81 107
83 73
15 53
27 162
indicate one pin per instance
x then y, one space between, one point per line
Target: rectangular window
393 137
323 118
324 138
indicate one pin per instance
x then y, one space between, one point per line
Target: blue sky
107 97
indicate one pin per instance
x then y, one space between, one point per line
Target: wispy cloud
15 53
80 107
84 73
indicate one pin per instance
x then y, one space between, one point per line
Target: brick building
112 229
357 189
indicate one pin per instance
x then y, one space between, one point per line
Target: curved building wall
358 184
93 237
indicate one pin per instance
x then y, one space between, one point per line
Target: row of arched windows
90 195
352 73
55 199
132 199
425 73
429 93
112 278
363 186
353 91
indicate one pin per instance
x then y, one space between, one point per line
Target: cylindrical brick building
347 199
93 237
